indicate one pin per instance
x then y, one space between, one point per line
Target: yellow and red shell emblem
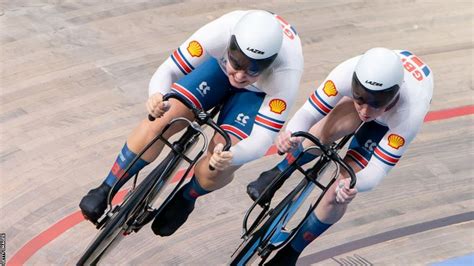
277 106
195 49
395 141
329 88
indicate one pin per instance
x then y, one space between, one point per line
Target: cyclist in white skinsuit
390 91
252 62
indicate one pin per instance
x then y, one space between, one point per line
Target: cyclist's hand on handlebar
220 160
156 106
285 142
344 194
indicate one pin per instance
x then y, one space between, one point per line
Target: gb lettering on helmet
255 42
377 77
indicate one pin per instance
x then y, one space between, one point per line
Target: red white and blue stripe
184 92
234 131
358 158
268 122
180 60
418 62
385 156
319 104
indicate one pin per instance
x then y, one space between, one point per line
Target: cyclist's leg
317 223
94 203
147 130
341 121
204 180
328 212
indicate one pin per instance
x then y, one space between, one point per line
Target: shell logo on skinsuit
395 141
277 106
195 49
329 88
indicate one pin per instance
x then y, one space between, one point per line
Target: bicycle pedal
144 218
99 223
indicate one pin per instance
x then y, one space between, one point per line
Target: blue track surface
464 260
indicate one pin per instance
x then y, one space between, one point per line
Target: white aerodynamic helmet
255 42
377 77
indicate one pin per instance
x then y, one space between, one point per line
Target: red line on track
41 240
449 113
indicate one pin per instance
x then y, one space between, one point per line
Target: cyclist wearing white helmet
390 93
250 60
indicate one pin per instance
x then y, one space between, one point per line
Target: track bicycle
269 230
137 208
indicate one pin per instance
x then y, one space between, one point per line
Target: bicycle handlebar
329 152
202 117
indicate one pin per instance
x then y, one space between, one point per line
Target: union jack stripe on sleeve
268 122
358 158
319 104
385 156
181 62
234 131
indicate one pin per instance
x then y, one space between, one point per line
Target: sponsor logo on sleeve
395 141
329 88
277 106
195 49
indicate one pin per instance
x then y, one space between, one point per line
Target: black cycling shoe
256 188
174 215
285 257
94 203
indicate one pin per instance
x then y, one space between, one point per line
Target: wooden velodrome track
74 82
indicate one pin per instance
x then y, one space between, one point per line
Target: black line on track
385 236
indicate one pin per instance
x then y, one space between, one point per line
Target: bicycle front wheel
112 232
247 252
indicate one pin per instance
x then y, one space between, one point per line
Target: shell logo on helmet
195 49
395 141
330 89
277 106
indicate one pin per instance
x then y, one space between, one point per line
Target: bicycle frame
136 209
271 233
